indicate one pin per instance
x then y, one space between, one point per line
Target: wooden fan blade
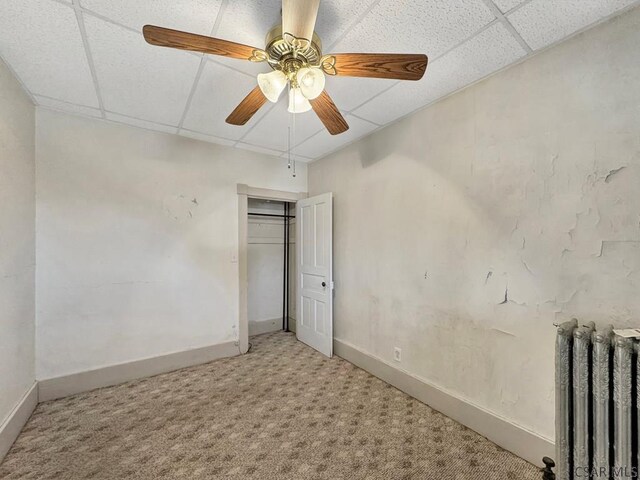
299 17
376 65
247 107
165 37
329 114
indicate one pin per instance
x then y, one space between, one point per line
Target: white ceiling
88 57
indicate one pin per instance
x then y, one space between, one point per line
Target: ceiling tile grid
88 58
41 42
323 143
136 122
425 26
137 79
507 5
206 138
273 130
485 53
218 92
197 16
544 22
61 106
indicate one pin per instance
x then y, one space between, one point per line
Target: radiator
596 403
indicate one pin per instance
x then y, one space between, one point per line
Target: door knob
324 284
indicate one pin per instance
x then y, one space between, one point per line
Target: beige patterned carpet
281 412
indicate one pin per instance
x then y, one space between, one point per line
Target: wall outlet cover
397 354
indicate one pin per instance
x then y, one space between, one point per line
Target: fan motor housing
284 56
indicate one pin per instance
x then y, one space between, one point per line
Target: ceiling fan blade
329 114
247 107
299 17
376 65
165 37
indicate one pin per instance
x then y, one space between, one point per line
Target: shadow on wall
394 141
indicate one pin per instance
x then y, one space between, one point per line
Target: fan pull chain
293 141
289 146
289 135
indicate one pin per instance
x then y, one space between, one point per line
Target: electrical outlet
397 354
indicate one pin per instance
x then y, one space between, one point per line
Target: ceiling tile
350 92
150 86
219 92
206 138
335 17
67 107
137 79
491 50
140 123
324 143
418 26
249 22
197 16
272 131
543 22
41 41
251 69
508 5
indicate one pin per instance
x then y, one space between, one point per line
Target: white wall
463 232
17 242
137 239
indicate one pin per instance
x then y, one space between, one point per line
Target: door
314 305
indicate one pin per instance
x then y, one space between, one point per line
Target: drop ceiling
88 57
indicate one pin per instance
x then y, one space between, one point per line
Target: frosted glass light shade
272 84
297 102
311 82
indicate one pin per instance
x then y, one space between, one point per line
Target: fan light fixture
293 51
272 84
306 84
311 82
297 102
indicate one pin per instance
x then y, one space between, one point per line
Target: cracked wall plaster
520 195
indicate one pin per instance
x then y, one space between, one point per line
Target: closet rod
272 215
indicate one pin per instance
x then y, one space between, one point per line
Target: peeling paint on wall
611 174
527 188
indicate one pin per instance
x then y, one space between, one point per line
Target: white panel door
314 306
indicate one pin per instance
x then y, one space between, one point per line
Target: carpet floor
283 411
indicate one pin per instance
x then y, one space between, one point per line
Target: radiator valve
547 472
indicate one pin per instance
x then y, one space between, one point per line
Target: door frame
245 192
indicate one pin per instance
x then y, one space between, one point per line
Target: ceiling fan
294 52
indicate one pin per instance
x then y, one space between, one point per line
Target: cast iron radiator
596 403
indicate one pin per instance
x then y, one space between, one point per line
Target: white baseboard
12 426
66 385
511 437
265 326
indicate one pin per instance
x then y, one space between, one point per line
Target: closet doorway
271 266
262 314
306 276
